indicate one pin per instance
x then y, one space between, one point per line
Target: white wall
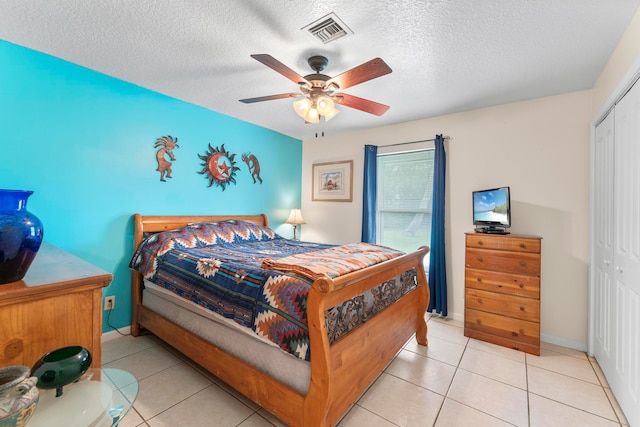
624 59
540 148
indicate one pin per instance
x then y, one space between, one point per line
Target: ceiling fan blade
270 97
362 104
362 73
278 66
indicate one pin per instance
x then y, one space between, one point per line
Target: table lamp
295 218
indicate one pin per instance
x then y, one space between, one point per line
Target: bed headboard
154 224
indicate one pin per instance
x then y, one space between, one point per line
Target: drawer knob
499 286
480 259
521 286
479 300
522 245
479 279
523 264
480 243
521 308
514 334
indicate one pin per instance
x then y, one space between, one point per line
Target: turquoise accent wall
84 143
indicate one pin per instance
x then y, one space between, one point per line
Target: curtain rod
415 142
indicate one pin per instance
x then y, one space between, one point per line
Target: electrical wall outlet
109 303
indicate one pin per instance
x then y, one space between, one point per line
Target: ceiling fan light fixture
311 109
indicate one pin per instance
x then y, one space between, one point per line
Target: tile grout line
371 412
177 403
129 354
466 346
573 378
446 394
615 412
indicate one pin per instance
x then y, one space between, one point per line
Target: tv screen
492 209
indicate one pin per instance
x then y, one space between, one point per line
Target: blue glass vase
20 235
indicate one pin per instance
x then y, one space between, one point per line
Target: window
405 188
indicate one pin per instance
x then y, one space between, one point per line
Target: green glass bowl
61 367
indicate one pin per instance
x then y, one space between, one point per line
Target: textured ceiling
446 55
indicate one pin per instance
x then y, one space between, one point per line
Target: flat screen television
492 210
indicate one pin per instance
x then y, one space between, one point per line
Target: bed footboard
341 372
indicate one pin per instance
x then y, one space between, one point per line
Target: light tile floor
456 381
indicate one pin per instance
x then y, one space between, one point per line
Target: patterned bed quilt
248 273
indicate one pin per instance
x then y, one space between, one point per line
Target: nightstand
57 304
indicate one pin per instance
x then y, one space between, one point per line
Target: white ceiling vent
328 28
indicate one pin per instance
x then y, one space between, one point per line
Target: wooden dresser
57 304
502 290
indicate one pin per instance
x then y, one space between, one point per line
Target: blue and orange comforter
248 273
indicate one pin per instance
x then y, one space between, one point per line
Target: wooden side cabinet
502 290
57 304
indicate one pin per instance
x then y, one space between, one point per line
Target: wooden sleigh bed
339 372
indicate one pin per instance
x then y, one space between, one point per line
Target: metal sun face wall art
219 166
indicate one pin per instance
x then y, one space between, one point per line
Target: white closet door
625 303
602 239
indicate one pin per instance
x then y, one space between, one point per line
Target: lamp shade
295 217
331 114
302 107
324 105
312 116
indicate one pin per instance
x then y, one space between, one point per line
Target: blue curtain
437 262
369 194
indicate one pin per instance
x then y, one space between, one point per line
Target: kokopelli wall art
254 166
166 145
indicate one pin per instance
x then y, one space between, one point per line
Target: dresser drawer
506 327
504 261
505 243
505 305
504 283
532 348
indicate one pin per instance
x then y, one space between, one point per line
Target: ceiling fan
320 92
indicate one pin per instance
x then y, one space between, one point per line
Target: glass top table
100 398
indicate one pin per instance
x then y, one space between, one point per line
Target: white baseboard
450 316
576 345
111 335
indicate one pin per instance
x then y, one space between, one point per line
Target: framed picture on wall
332 182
